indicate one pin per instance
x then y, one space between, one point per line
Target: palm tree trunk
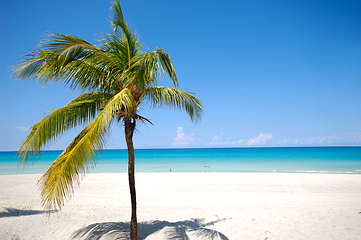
129 126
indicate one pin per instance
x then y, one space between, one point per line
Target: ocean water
301 159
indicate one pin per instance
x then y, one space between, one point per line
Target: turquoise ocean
283 160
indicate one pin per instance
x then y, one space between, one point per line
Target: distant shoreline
187 148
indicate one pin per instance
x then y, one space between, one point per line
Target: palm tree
115 78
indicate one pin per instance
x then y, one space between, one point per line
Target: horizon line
175 148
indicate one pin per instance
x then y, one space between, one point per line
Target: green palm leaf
117 19
59 180
146 68
34 65
68 59
175 98
77 112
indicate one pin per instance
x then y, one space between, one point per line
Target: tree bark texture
129 126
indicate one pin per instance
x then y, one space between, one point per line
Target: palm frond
34 65
147 67
68 59
59 180
69 47
175 98
117 18
77 112
121 49
143 119
127 36
166 65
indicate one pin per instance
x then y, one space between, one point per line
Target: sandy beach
189 206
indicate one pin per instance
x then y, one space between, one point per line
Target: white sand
190 206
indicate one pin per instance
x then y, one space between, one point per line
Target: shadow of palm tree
15 212
153 229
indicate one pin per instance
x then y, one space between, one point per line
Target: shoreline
227 205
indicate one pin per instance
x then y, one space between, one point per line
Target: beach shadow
15 212
180 230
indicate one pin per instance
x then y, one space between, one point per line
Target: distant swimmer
170 169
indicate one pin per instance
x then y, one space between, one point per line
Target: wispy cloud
24 129
217 138
239 142
260 139
182 139
340 138
221 141
334 139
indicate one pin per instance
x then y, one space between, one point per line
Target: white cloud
296 141
260 139
24 129
283 142
217 138
182 139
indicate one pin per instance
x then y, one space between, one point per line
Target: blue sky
269 73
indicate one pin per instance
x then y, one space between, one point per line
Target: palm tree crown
115 78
